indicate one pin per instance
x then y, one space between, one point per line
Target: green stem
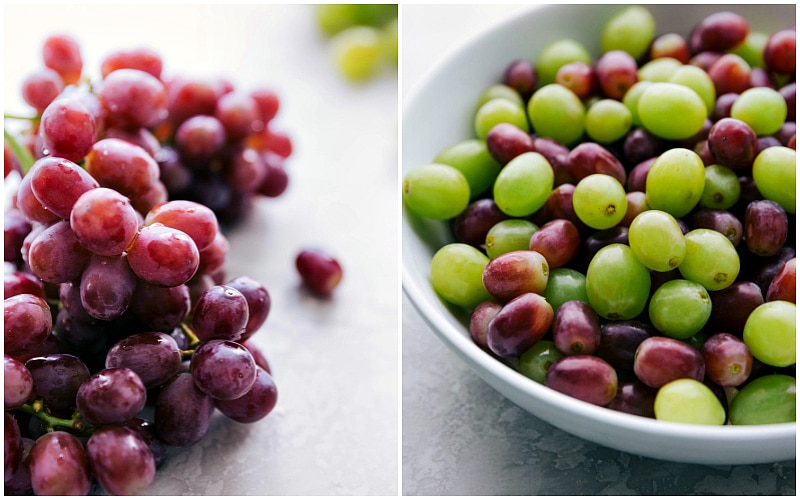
24 157
193 340
19 117
75 423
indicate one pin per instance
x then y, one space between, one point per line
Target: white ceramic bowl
437 113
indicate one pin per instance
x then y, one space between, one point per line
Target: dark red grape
472 225
59 465
584 377
519 325
27 321
719 32
182 412
57 378
619 341
732 143
635 398
780 51
558 241
259 303
514 273
479 320
727 360
766 227
660 360
121 460
223 369
616 72
576 328
256 404
319 271
506 141
154 356
133 98
111 396
520 75
784 284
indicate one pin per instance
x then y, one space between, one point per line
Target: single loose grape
671 111
607 120
472 158
556 112
631 30
775 175
436 191
565 284
771 333
675 181
688 401
679 308
617 284
524 185
497 111
769 399
657 240
763 108
599 201
557 54
721 189
457 274
711 259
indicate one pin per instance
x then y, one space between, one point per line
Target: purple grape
766 227
519 325
56 256
12 446
619 341
256 404
121 460
223 369
319 271
584 377
721 221
479 320
183 412
635 398
514 273
727 360
221 312
590 158
154 356
160 308
660 360
57 378
731 306
107 287
19 282
59 465
27 321
576 328
258 303
146 430
17 383
558 240
506 141
111 396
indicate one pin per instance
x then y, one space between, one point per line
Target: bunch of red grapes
116 295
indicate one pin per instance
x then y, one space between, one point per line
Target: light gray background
460 436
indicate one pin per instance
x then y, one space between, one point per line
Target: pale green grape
599 201
722 188
763 108
775 175
711 259
675 182
631 30
657 240
688 401
435 191
770 333
524 184
565 284
499 110
457 275
631 100
752 49
671 111
679 308
499 91
556 112
698 80
358 52
472 158
509 235
617 284
556 54
607 120
535 362
659 70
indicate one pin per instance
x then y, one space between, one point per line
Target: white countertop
335 427
460 436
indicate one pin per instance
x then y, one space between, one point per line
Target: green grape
457 275
631 100
722 188
679 308
775 175
631 30
770 333
769 399
675 182
333 18
556 54
763 108
599 201
671 111
711 259
499 110
657 240
358 52
500 91
659 70
688 401
472 158
556 112
565 284
523 185
698 80
390 41
509 235
752 49
617 284
535 362
435 191
607 120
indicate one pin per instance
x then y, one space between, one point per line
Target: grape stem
74 423
24 157
193 341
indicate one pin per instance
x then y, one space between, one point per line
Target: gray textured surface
461 437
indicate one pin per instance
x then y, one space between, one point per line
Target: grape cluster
362 37
115 295
624 227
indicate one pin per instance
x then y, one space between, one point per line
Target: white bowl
437 113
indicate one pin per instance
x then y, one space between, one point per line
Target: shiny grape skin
111 396
479 320
730 73
57 378
199 139
163 256
584 377
660 360
519 324
59 465
239 114
780 51
122 166
17 383
221 312
133 98
319 271
104 221
41 87
576 328
67 129
146 430
766 227
732 143
259 303
784 284
223 369
727 359
558 240
27 321
107 287
506 141
616 72
154 356
256 404
121 460
194 219
473 224
619 341
719 32
514 273
182 412
160 308
722 221
56 256
58 183
590 158
62 54
19 282
635 398
731 306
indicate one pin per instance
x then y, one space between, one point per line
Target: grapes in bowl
579 231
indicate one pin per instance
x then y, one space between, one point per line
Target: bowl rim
488 367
